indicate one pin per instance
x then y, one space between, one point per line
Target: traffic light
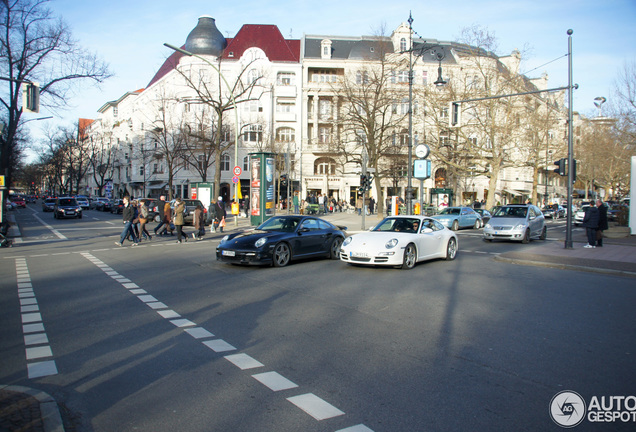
31 98
367 183
560 170
283 180
573 170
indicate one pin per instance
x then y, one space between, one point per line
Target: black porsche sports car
281 239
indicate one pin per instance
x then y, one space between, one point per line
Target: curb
49 411
564 266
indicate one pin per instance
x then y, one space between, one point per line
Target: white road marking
315 407
274 381
243 361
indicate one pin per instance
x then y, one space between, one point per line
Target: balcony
285 91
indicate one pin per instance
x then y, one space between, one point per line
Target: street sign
237 171
1 181
235 179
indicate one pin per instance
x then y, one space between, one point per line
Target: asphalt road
161 337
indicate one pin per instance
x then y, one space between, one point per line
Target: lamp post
236 121
438 82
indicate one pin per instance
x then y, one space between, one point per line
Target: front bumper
390 258
249 257
508 233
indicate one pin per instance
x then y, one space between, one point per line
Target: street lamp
439 53
236 122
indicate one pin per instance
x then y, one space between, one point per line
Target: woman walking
179 219
143 220
199 223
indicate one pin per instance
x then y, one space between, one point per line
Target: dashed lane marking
313 405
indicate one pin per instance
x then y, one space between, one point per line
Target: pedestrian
128 213
371 205
220 213
178 220
160 205
295 202
359 205
199 223
144 214
167 220
602 222
590 222
212 214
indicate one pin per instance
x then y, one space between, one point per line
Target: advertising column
262 174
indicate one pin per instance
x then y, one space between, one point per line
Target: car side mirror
303 230
427 230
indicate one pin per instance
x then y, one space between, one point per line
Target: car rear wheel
410 257
477 224
544 233
451 249
281 255
526 237
455 225
334 250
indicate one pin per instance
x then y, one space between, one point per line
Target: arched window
325 165
285 134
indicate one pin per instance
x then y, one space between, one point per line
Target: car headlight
347 241
260 242
391 243
521 226
225 238
488 225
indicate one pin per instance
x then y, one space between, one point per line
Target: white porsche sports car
400 241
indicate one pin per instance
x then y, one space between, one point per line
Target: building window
403 44
425 77
324 108
141 171
246 163
253 133
324 135
362 77
324 76
286 78
253 76
225 162
201 162
252 106
324 166
285 134
115 111
285 107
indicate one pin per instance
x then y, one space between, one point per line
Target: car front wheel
410 257
477 224
455 225
281 255
544 233
526 237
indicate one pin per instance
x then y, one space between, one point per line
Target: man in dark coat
602 222
160 205
590 222
128 215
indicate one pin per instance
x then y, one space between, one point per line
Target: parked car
553 211
459 217
281 239
580 214
614 210
67 207
116 206
516 222
83 202
153 211
400 241
48 204
191 205
99 203
484 214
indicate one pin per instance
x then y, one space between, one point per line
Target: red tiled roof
83 124
264 36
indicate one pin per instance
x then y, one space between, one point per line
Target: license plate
359 255
228 253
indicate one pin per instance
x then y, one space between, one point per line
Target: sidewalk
25 409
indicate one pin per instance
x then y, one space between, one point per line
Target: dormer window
403 44
325 49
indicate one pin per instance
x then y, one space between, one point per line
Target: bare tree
101 157
37 47
215 94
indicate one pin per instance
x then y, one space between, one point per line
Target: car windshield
398 225
280 224
512 212
450 211
68 202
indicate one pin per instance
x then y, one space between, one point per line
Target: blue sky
129 35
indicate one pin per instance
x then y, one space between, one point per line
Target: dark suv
67 207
